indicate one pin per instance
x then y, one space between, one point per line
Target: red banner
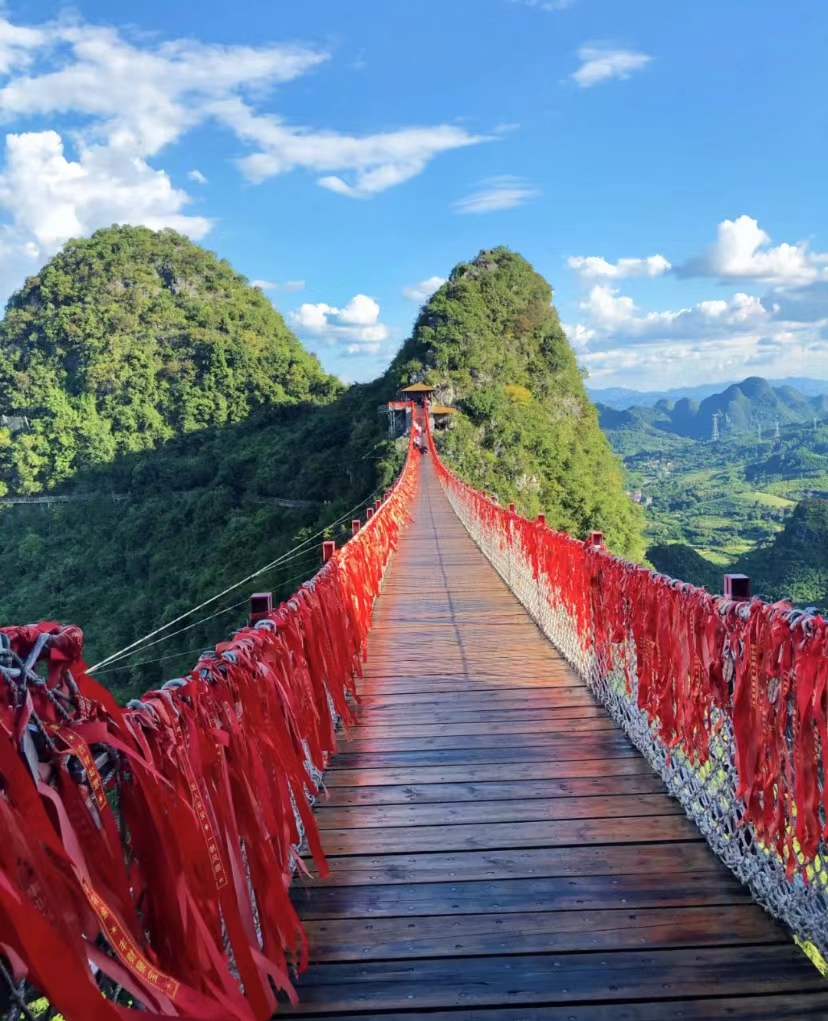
168 829
702 668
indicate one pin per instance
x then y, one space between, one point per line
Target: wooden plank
349 939
494 813
558 833
414 984
499 851
455 793
555 893
599 860
805 1006
589 746
376 718
465 697
524 734
338 776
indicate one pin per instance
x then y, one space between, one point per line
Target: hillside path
499 850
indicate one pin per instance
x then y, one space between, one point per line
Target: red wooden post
328 550
369 513
261 604
356 524
596 539
737 587
541 519
377 504
512 508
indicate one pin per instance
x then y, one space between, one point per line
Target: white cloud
52 198
127 99
546 5
743 251
423 290
610 313
272 285
355 326
372 163
497 193
592 267
143 98
579 335
17 43
716 339
673 363
600 63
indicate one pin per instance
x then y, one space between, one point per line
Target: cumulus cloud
141 98
592 267
611 313
716 339
127 99
497 193
52 198
423 290
743 251
601 63
355 326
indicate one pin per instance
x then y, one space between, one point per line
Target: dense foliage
728 506
795 564
128 338
683 562
491 342
191 518
177 411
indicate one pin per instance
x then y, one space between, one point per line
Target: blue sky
662 164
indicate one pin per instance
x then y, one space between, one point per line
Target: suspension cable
119 657
121 665
267 567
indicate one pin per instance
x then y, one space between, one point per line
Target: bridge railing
146 853
727 700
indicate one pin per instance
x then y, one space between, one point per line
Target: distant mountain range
621 397
750 406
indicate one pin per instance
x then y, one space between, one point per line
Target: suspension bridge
570 790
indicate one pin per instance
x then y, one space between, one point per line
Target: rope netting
727 700
147 852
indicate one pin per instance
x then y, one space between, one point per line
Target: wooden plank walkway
499 850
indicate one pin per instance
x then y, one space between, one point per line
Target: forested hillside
149 381
729 505
168 397
128 338
491 342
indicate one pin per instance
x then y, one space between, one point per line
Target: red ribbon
698 660
187 839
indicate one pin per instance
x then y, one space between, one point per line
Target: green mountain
792 566
128 338
752 406
680 561
491 342
170 404
795 564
